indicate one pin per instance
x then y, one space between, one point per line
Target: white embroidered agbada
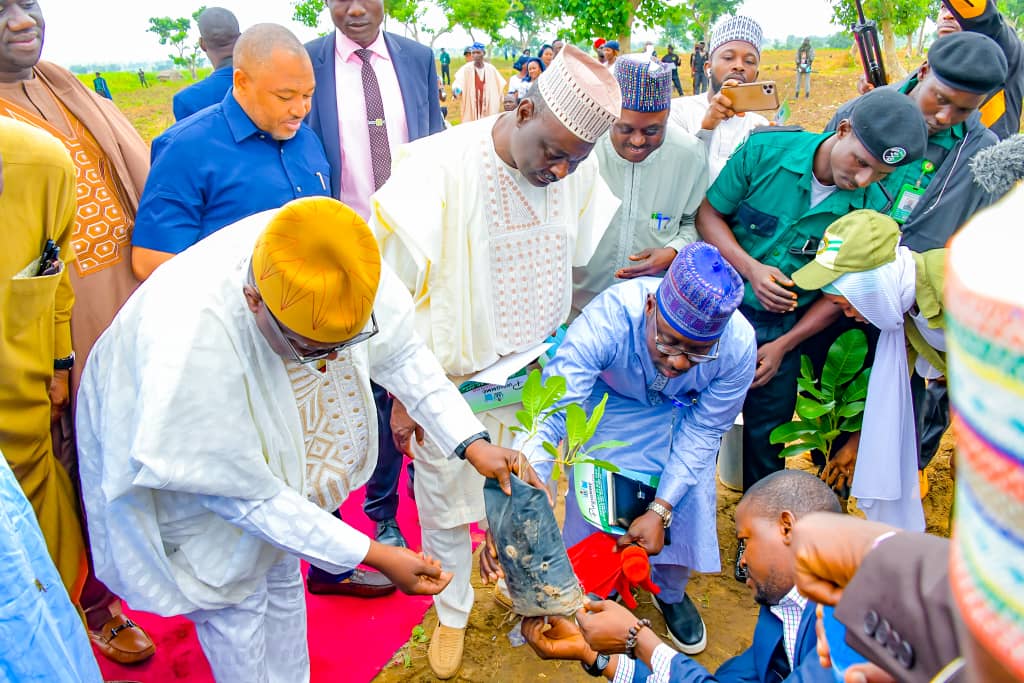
200 454
488 258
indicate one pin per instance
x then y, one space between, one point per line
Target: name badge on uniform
906 202
660 221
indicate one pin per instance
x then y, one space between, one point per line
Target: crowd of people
209 345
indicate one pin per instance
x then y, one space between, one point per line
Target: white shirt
790 612
353 131
819 191
688 113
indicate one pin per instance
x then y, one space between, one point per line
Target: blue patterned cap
736 28
699 293
646 85
478 46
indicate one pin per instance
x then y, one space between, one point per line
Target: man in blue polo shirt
218 33
250 153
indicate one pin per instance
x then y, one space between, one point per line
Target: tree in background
1013 10
177 34
528 18
894 18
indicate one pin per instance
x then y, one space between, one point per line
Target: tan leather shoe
445 651
123 641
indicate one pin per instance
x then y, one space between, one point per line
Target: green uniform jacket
765 193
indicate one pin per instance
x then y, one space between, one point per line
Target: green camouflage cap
859 241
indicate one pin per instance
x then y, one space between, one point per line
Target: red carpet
377 627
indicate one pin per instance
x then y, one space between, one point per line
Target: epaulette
777 129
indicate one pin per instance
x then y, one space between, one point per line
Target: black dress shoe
388 533
362 584
685 626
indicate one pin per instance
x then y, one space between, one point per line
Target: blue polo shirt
217 167
205 93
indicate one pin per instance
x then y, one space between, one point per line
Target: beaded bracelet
634 632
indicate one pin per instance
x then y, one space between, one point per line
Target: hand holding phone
756 96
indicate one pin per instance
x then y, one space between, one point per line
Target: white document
506 366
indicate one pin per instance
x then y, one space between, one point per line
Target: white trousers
449 497
263 638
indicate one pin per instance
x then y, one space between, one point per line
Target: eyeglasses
676 351
313 356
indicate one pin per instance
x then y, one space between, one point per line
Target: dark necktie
380 150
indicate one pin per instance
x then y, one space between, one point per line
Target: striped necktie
380 150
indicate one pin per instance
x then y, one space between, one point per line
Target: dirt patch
725 604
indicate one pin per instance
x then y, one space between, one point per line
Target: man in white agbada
658 171
735 55
480 85
483 224
228 406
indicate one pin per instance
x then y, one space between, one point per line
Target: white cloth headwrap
885 479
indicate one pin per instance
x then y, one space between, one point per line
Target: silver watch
662 511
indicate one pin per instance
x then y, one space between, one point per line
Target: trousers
263 638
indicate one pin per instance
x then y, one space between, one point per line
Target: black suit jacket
417 79
899 611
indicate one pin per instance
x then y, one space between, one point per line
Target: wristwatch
460 450
597 668
662 511
65 363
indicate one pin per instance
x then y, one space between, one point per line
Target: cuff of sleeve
62 340
672 490
624 670
705 135
678 243
661 663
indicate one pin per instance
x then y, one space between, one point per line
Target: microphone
998 168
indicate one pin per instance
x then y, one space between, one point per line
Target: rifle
866 35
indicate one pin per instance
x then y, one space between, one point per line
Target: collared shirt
661 666
353 126
765 193
790 612
217 167
205 93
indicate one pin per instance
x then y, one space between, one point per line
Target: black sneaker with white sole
685 625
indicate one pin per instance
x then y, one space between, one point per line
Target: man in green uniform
766 212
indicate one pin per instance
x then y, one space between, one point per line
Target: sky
114 31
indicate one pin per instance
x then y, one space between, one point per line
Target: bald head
262 44
795 491
273 79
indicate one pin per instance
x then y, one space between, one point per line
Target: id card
906 202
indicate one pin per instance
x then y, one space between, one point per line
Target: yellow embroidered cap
317 267
859 241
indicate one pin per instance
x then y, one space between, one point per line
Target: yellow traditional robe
37 203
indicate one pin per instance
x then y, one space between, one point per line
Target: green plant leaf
556 471
806 368
817 441
552 450
575 428
595 418
794 449
811 387
598 463
845 359
539 395
852 424
851 409
857 390
808 408
790 431
525 418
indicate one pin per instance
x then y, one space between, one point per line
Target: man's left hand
769 358
495 462
648 262
563 640
59 393
605 625
647 531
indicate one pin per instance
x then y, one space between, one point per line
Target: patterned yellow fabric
317 267
102 228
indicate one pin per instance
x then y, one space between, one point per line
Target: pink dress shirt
353 130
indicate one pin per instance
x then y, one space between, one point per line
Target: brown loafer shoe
362 584
123 641
445 651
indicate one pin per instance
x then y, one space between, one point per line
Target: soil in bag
537 570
